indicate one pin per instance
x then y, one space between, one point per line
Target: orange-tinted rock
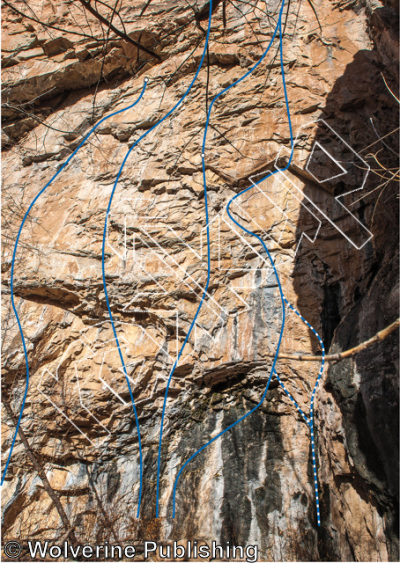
254 485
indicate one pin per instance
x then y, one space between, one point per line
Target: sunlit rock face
336 260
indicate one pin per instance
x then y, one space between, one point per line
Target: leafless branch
381 335
121 34
44 24
42 474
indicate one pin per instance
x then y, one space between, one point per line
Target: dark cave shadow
349 107
344 291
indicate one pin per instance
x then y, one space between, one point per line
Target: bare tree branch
42 474
395 97
117 13
49 24
381 335
145 8
380 139
121 34
315 13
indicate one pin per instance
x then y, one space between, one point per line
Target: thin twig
49 24
384 137
380 138
397 99
121 34
315 13
41 472
145 8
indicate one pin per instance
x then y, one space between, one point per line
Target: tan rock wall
255 484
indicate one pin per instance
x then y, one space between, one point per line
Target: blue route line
13 266
105 233
310 421
278 26
292 399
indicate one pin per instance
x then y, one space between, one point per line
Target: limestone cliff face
339 270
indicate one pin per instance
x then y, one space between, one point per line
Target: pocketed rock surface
336 258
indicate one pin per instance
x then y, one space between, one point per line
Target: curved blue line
252 234
292 399
105 233
13 265
311 421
